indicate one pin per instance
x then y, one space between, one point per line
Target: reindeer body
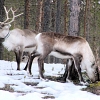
55 42
66 47
17 41
60 45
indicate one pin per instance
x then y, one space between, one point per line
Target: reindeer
16 40
66 47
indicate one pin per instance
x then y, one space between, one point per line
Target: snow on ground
36 89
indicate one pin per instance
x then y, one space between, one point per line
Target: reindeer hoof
18 69
30 75
67 80
25 69
43 79
84 83
61 79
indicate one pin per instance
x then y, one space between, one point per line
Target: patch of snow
24 88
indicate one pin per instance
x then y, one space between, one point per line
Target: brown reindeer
66 47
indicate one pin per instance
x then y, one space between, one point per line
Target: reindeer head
5 25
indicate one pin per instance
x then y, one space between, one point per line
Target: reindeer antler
7 15
7 12
14 16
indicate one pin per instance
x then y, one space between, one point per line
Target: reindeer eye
23 57
95 73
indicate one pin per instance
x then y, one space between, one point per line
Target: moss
93 88
95 84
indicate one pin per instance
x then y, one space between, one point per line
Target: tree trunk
65 17
52 26
58 23
46 21
74 25
39 15
27 14
2 14
46 17
58 17
74 17
85 17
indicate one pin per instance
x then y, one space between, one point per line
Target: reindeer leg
66 74
73 74
30 60
41 61
77 66
41 66
27 64
69 68
18 55
30 64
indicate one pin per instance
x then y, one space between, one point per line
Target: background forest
69 17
